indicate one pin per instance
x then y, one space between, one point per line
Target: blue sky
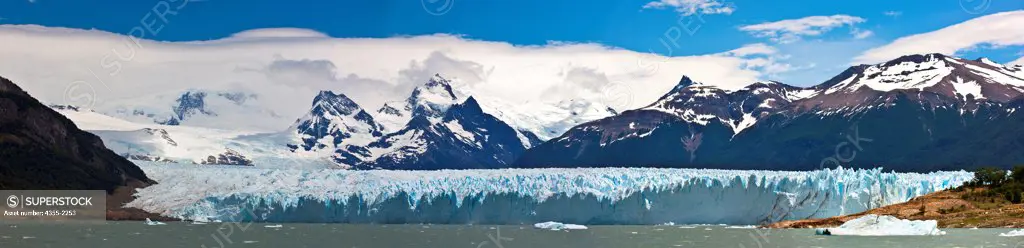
626 24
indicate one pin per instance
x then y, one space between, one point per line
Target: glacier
601 196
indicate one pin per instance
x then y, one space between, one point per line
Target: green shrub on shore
1008 185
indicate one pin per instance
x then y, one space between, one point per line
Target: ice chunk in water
154 223
884 225
556 226
1014 233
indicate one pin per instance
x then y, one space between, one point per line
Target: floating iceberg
884 225
600 196
154 223
1014 233
556 226
742 227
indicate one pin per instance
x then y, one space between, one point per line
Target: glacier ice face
523 196
884 225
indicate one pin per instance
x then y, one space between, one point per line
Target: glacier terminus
591 196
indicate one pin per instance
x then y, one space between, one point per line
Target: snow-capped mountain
464 138
190 145
918 113
936 78
220 109
949 76
934 112
431 99
436 127
336 126
431 130
699 103
534 121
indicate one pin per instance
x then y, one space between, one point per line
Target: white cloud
467 73
279 33
861 34
893 13
313 75
788 31
763 58
580 80
997 30
288 70
753 49
1019 61
690 7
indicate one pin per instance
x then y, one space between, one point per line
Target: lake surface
137 234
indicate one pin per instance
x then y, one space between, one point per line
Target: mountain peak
327 95
432 98
471 102
334 123
684 82
987 61
6 86
190 103
848 73
470 107
334 103
388 109
437 86
916 58
768 83
438 80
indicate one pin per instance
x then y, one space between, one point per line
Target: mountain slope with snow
218 109
431 99
937 79
464 138
190 145
544 120
431 129
914 113
949 76
337 127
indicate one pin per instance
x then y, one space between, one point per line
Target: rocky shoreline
950 208
121 196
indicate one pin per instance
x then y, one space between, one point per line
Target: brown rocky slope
951 208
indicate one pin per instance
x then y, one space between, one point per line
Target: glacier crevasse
644 196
